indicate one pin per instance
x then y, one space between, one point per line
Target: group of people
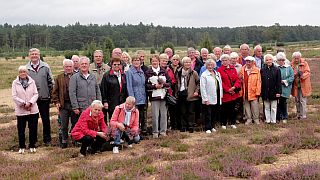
108 102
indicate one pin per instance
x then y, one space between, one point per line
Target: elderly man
204 55
196 64
217 51
98 67
61 98
83 88
251 88
40 72
258 56
116 53
76 63
244 52
301 85
169 52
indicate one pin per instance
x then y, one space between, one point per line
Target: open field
282 151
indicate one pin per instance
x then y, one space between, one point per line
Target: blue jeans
125 134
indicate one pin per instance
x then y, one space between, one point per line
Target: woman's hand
102 135
121 126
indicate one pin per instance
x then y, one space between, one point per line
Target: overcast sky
179 13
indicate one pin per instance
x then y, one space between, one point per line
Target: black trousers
173 114
67 113
32 120
95 143
282 109
142 119
187 113
44 106
210 115
228 114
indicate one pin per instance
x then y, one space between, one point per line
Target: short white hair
227 47
256 47
267 56
23 68
84 58
296 54
131 99
75 57
217 48
281 55
208 61
234 55
204 49
65 61
244 45
97 102
212 56
34 49
185 59
225 56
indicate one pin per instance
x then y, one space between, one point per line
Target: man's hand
195 94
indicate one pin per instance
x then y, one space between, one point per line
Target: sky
178 13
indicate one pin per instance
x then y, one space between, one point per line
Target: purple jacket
21 96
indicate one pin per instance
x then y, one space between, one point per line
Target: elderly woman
211 94
251 89
157 83
270 88
136 87
287 78
188 87
113 86
125 57
125 123
302 85
231 85
25 95
90 129
171 70
234 61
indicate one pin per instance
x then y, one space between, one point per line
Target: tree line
76 36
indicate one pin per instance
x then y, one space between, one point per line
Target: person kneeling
90 129
125 124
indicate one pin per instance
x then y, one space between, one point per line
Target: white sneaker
213 130
21 151
208 131
115 150
248 122
130 146
33 150
284 121
163 134
155 136
224 127
233 126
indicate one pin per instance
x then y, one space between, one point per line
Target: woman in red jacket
90 129
231 86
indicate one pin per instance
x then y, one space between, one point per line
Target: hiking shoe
21 151
163 134
233 126
208 132
115 150
224 127
213 130
248 122
284 121
257 121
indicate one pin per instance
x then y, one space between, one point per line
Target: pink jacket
86 125
118 116
21 96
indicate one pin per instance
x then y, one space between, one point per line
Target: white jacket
208 88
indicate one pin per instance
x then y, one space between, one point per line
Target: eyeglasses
175 59
116 64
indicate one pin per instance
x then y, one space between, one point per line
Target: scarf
24 83
127 117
